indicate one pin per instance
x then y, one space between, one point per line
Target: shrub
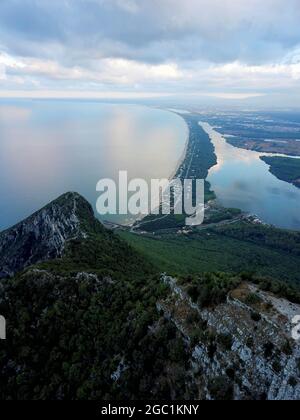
255 316
230 372
193 293
268 350
287 348
195 338
221 389
277 366
250 342
252 299
226 341
293 381
177 351
193 318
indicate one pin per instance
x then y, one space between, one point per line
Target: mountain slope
99 322
242 344
43 235
237 247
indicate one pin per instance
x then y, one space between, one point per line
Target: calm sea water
50 147
242 180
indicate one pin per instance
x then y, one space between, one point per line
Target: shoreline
283 186
173 173
184 153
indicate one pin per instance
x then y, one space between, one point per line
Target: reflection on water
50 147
242 180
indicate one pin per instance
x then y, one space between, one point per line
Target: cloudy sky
144 48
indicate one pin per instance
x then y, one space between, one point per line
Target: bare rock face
245 351
43 235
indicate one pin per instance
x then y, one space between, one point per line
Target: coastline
172 176
247 166
183 155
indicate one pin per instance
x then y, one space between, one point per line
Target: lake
50 147
242 180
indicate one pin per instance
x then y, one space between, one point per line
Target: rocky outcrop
43 235
102 305
241 349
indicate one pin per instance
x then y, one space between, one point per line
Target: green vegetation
286 169
172 223
252 299
289 291
236 248
281 240
87 327
251 130
69 331
287 349
200 157
156 223
103 255
226 341
256 317
221 388
269 350
293 381
211 288
217 214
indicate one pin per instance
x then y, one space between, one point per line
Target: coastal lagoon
50 147
242 180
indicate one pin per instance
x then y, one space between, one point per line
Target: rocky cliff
95 320
240 349
43 235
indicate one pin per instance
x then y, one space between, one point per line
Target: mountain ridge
97 321
43 235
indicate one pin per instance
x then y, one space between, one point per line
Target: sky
227 49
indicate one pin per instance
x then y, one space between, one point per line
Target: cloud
233 29
166 46
108 70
